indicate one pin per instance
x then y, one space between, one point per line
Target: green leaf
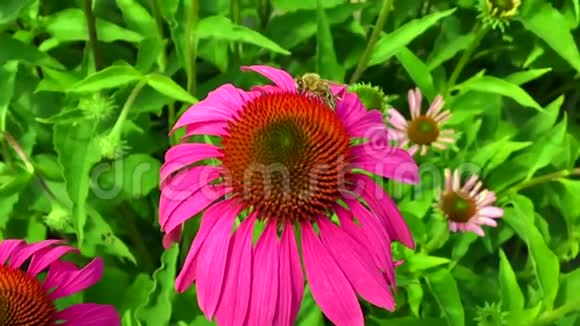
222 28
292 5
418 72
77 153
71 25
110 77
13 49
511 294
415 297
420 262
543 121
7 78
138 18
100 236
493 154
569 287
522 77
544 261
451 48
156 310
6 207
524 317
446 293
168 87
409 321
544 150
134 176
10 10
389 44
540 18
569 200
327 65
490 84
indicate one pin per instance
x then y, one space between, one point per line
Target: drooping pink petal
382 205
192 205
397 119
330 288
291 279
208 221
265 282
354 261
436 106
89 314
215 128
212 261
58 273
182 155
376 234
350 109
172 237
475 229
486 221
20 256
222 104
389 162
78 280
8 247
369 125
43 259
279 77
233 306
491 211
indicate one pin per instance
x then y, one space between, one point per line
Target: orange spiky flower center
23 300
286 155
423 130
458 206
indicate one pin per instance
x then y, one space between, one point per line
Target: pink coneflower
423 130
285 160
469 207
26 299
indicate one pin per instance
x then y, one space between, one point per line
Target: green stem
364 59
436 240
130 222
93 40
191 39
6 153
235 13
479 30
162 61
544 178
128 104
548 317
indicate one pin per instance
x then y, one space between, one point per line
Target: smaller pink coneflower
26 299
423 130
467 207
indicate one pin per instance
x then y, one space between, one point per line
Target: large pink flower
287 162
28 300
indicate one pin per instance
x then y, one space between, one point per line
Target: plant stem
549 317
6 154
191 39
128 104
544 178
143 252
364 59
479 31
235 13
93 40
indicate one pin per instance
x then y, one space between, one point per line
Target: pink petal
291 279
192 206
349 226
486 221
215 128
208 221
353 259
20 256
172 237
389 162
78 280
182 155
436 106
57 273
397 120
350 109
330 288
8 247
281 78
265 280
475 229
89 314
377 236
233 306
452 226
212 260
222 104
382 205
42 260
491 211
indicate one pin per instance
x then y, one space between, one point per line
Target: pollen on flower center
285 155
423 130
458 207
23 301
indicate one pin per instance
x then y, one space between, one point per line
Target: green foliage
85 123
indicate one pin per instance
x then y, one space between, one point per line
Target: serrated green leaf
389 44
220 27
545 262
446 293
77 153
418 72
168 87
511 294
156 310
7 78
133 176
13 49
110 77
71 25
540 17
326 63
490 84
522 77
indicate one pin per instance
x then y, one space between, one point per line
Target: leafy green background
89 90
